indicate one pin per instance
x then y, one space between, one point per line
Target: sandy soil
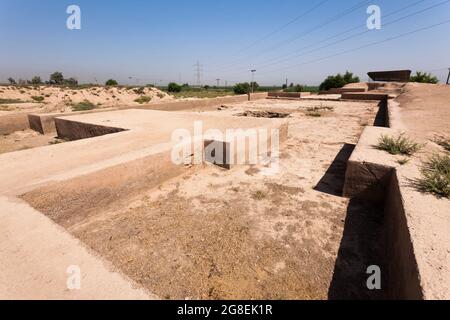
22 140
246 233
58 99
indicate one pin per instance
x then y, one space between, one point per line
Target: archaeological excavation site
225 159
306 219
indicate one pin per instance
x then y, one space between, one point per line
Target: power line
198 73
309 31
278 61
364 46
358 34
347 31
283 26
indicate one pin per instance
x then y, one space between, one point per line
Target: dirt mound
62 99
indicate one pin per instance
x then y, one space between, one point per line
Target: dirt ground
247 233
22 140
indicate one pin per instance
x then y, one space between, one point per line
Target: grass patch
10 101
444 143
202 93
436 177
38 98
314 114
259 195
403 161
143 99
85 105
399 145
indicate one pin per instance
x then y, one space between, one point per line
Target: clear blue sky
155 41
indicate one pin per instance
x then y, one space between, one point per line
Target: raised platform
45 123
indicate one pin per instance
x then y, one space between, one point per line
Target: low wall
364 96
45 123
74 130
10 123
287 95
344 90
399 252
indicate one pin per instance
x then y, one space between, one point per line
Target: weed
10 101
259 195
444 143
436 176
400 145
143 99
83 106
38 98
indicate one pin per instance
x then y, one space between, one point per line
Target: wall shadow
382 117
361 246
333 181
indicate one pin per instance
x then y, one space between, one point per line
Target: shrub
139 90
259 195
242 88
10 101
111 82
38 98
296 88
444 143
424 77
436 176
338 81
143 99
83 106
174 87
71 82
36 80
400 145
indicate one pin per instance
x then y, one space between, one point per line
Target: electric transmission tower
198 73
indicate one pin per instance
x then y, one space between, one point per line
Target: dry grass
436 176
83 106
143 99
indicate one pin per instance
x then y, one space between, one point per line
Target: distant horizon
139 43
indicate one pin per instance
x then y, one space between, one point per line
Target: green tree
174 87
36 80
56 78
71 82
11 80
111 82
424 77
242 88
338 81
